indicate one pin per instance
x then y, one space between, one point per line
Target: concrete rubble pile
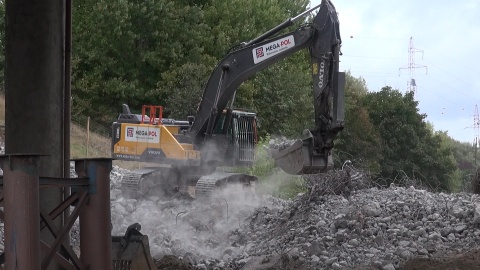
382 228
379 228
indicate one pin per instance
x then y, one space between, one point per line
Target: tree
98 78
463 155
2 46
162 52
122 48
283 97
408 145
359 140
281 94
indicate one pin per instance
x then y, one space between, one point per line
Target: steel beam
95 219
34 91
21 198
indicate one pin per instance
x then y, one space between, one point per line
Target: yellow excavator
188 153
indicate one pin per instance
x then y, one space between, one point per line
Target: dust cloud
191 229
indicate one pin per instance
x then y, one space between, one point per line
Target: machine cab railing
152 118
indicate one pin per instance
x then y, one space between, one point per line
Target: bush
272 180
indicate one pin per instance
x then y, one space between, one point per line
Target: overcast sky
376 36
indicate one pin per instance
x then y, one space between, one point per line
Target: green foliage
182 89
281 94
235 21
272 180
122 48
359 140
463 155
406 142
162 52
2 47
264 164
283 97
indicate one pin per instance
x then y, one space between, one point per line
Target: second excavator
187 153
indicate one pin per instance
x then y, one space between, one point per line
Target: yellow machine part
145 141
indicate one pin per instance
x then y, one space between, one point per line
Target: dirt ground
463 261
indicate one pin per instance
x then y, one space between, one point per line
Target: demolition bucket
131 251
300 158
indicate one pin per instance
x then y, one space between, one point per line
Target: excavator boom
189 152
322 38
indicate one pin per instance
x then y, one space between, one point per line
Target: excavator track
205 187
136 182
209 185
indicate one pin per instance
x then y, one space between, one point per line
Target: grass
272 180
98 146
82 146
95 145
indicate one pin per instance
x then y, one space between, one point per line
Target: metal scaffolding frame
24 220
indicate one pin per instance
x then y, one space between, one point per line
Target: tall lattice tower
476 125
411 83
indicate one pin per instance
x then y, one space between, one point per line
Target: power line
466 68
457 79
373 57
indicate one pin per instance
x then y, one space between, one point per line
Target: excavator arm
322 38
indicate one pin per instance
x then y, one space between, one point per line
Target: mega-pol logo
130 132
142 134
259 52
272 48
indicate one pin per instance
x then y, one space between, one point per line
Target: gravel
280 143
371 228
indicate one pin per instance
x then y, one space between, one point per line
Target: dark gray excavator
313 154
188 152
